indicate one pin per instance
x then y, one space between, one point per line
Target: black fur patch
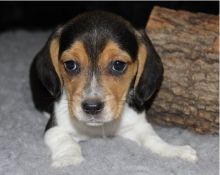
44 82
150 79
95 29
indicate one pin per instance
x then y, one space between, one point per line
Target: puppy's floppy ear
150 70
46 65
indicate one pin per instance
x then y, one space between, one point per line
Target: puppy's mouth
95 123
92 121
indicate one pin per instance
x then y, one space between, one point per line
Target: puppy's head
100 62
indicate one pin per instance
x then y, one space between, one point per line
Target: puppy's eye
72 67
118 67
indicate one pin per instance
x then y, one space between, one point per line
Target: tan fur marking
77 53
116 87
113 52
74 84
142 55
54 50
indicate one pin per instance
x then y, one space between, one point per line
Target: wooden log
188 44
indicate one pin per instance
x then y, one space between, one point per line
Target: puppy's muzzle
92 106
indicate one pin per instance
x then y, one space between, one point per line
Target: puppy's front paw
66 161
187 153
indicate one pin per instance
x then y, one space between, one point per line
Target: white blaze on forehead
94 89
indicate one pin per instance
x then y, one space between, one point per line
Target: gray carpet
22 151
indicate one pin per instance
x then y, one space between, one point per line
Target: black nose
92 106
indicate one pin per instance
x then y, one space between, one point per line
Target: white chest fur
63 139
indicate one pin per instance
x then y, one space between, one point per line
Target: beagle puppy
94 76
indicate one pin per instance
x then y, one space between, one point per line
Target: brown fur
74 85
142 55
116 88
54 50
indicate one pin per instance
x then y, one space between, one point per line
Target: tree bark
188 44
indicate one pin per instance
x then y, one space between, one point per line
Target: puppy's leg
136 128
65 151
152 141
